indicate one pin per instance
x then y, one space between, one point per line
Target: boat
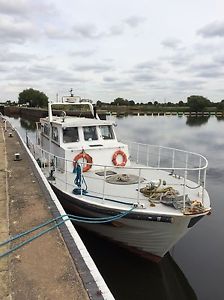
146 196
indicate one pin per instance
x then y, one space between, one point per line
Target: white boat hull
152 236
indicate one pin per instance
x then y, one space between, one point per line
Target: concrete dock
52 266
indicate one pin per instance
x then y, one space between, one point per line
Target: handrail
134 168
184 170
171 149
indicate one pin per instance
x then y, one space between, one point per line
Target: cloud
9 56
87 31
219 59
186 84
21 8
207 70
82 53
134 21
147 65
115 30
109 79
3 69
211 30
120 85
145 77
148 70
16 32
84 31
172 43
53 32
210 74
44 73
180 58
97 68
43 69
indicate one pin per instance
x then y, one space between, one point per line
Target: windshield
90 133
107 132
70 135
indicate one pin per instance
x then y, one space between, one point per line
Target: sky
139 50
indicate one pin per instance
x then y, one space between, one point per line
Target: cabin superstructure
68 136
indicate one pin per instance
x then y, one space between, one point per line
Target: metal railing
184 165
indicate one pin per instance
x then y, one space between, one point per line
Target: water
195 268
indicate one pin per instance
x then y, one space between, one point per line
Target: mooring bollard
17 157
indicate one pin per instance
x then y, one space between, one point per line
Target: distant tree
8 102
181 103
197 103
126 102
155 103
131 102
99 103
118 101
149 103
35 98
220 105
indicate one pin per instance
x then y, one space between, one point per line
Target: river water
194 269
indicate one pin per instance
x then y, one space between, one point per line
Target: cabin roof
77 121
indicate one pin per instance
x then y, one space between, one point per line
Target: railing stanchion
104 182
159 153
66 175
81 179
41 155
44 160
184 189
139 180
55 163
137 154
199 171
49 163
173 159
130 149
147 156
186 164
203 186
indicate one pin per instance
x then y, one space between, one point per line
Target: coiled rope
64 218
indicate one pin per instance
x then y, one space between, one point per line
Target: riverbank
103 112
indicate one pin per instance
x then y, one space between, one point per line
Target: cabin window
70 135
55 134
107 132
46 129
90 133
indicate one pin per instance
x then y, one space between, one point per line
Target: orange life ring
86 157
124 158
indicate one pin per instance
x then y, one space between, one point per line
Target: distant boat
152 195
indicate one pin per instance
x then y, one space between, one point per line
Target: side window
55 134
46 129
70 135
90 133
107 132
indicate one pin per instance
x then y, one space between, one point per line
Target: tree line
35 98
194 103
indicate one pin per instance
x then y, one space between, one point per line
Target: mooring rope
66 217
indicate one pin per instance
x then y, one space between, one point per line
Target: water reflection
197 121
132 277
28 124
220 118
